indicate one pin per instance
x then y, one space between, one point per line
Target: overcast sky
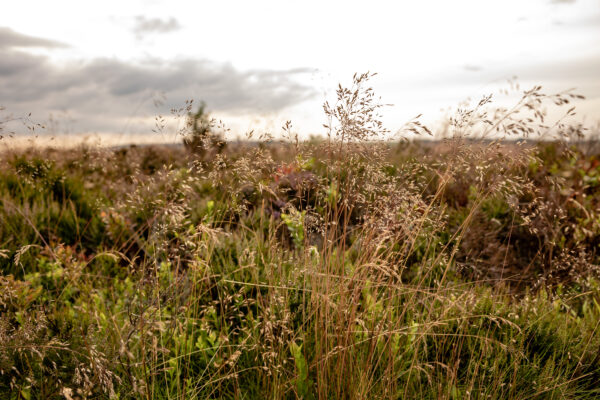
102 66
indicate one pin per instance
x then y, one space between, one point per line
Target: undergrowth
349 267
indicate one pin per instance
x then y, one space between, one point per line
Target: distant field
344 267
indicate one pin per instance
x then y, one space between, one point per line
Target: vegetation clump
200 137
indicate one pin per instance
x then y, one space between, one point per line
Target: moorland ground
341 267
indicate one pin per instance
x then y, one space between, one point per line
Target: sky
111 67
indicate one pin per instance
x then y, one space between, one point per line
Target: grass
347 267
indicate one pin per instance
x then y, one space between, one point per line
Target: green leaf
302 369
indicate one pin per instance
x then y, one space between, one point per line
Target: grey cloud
472 68
102 92
12 39
145 25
